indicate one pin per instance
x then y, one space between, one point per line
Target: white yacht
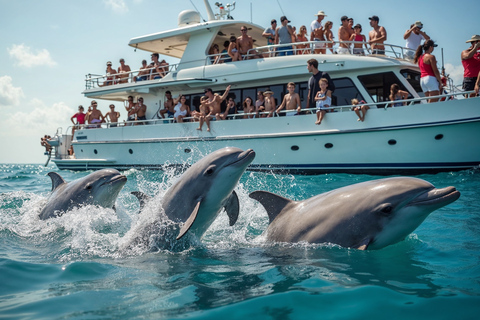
417 137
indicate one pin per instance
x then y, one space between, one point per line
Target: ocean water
72 267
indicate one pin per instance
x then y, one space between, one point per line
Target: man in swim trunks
245 43
283 35
168 106
471 64
343 35
214 101
316 32
377 36
96 117
140 110
113 115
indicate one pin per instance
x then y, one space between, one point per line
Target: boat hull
407 140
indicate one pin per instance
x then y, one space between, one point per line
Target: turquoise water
71 267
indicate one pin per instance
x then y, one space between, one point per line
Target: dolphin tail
186 226
142 198
274 204
232 207
57 180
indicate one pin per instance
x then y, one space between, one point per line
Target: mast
210 14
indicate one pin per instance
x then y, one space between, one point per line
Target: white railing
244 115
95 80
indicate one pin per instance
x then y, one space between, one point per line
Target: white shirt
414 41
315 25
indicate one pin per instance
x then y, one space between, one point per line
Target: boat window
378 85
345 91
413 77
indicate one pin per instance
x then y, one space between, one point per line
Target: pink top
425 69
80 117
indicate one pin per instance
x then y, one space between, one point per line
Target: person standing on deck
283 35
471 64
313 85
377 36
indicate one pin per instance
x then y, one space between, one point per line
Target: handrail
241 115
93 80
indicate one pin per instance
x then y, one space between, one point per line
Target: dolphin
98 188
196 199
367 215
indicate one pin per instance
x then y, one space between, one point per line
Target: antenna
224 10
210 14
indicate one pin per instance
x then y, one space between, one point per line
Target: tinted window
378 85
413 77
345 91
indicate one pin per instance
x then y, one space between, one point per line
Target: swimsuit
178 111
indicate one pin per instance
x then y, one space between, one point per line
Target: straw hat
321 13
474 38
268 92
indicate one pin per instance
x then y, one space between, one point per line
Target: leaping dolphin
196 199
98 188
367 215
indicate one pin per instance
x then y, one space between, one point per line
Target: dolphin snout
440 197
245 156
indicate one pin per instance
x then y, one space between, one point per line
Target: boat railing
98 80
244 115
306 47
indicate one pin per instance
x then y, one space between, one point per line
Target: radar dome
188 17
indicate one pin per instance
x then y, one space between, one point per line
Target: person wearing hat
430 79
414 37
269 103
343 35
377 36
316 32
283 35
110 75
269 33
471 64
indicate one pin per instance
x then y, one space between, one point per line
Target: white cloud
41 120
26 58
118 6
455 73
9 95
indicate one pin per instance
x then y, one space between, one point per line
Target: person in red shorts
471 64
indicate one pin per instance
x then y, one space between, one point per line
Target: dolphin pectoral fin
142 198
273 203
57 180
189 221
363 245
232 207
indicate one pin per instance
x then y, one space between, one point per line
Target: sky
47 47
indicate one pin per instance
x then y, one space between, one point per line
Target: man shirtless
168 106
214 101
113 116
259 104
291 100
377 36
123 71
269 103
141 110
316 32
245 43
130 109
344 35
96 116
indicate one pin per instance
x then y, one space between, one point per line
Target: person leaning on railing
143 73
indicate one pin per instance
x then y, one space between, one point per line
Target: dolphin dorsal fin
190 221
272 202
232 207
142 198
57 180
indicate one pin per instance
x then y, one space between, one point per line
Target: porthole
187 150
439 137
294 148
328 145
95 151
130 151
392 142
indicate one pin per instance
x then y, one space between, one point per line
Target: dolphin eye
88 187
386 210
210 171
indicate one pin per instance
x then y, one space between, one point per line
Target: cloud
26 58
9 95
455 72
118 6
42 119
